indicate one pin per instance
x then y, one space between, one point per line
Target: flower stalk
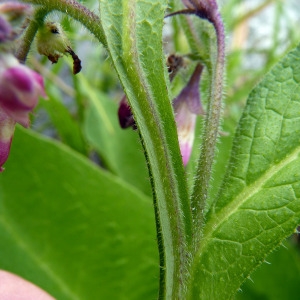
208 10
210 136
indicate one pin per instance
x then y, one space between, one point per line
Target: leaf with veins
258 204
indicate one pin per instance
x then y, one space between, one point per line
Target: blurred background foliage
82 110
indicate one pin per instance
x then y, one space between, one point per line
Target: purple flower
187 105
20 89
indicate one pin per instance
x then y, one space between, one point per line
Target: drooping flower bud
53 43
187 105
20 89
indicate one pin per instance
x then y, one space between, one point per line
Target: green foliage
133 35
119 149
76 231
258 204
277 279
86 230
67 127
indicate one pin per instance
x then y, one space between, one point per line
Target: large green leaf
67 127
120 150
259 202
72 229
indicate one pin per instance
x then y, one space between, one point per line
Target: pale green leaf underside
259 202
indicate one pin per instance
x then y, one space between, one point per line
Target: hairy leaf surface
259 203
276 279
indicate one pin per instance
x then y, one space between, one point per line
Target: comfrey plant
80 232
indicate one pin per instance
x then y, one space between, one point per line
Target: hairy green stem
70 7
204 171
161 251
145 87
173 217
25 44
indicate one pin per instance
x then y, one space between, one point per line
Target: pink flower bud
20 89
187 106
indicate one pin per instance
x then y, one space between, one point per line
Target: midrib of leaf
217 219
39 262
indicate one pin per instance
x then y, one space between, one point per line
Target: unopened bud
125 115
187 106
20 89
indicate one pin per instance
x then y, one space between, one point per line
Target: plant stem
204 171
38 19
159 236
173 218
